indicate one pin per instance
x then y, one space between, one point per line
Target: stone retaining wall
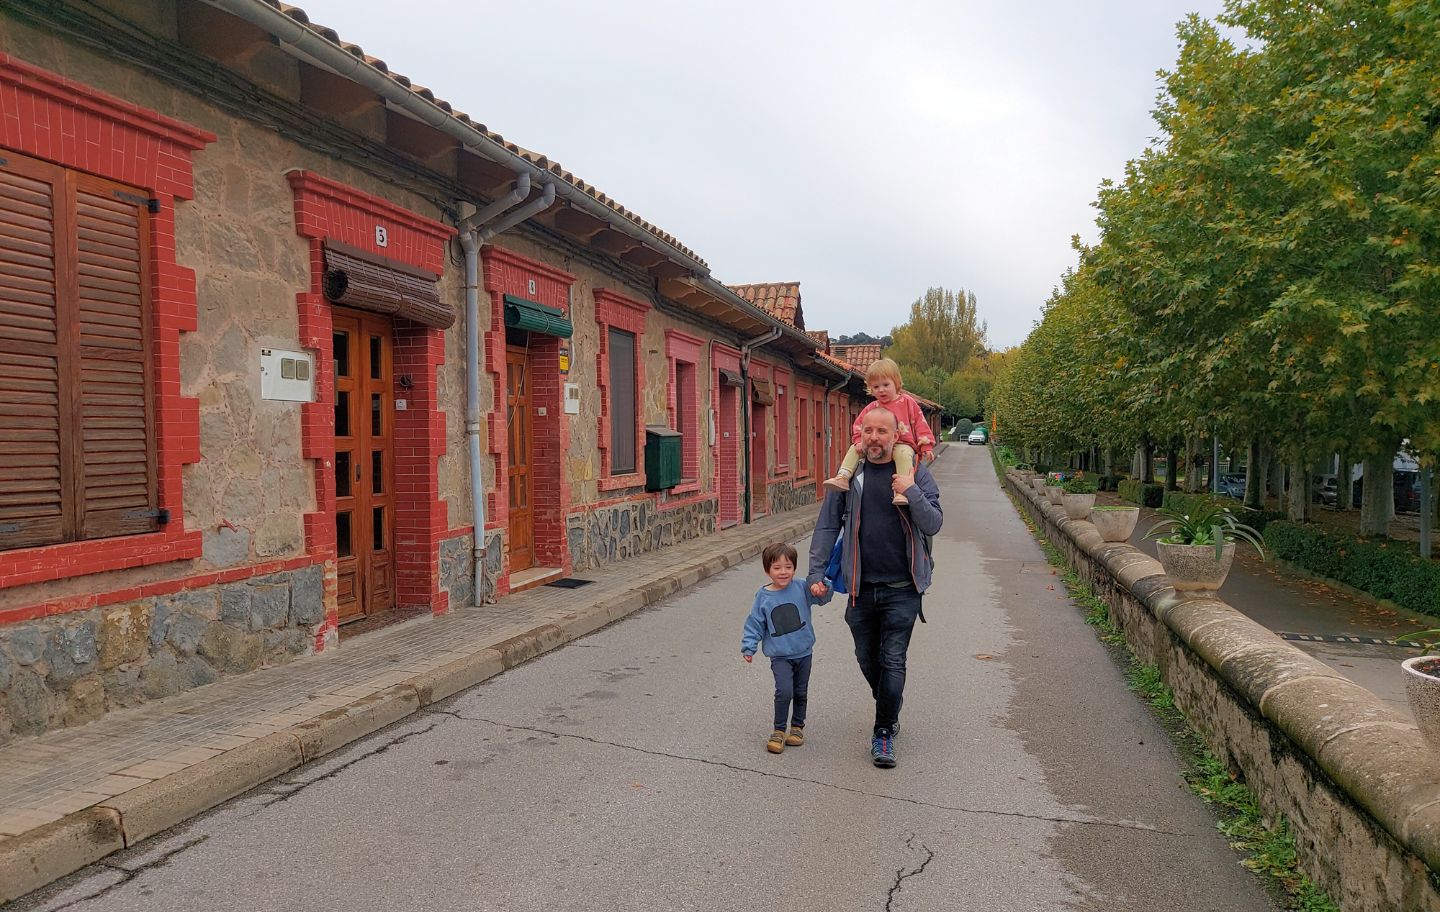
786 495
602 536
1357 783
73 668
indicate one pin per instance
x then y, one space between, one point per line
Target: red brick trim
47 116
784 415
509 273
620 312
327 210
147 590
683 348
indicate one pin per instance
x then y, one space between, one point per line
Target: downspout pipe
546 200
299 36
829 429
745 349
473 230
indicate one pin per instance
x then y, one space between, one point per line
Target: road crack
129 874
958 809
281 794
902 875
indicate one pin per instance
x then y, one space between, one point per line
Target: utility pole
1215 467
1427 510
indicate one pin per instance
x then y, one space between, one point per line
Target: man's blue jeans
881 619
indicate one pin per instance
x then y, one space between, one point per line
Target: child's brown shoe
776 743
900 500
796 736
839 483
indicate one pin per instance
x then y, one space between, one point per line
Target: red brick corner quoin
327 210
49 117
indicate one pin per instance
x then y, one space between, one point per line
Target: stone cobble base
73 668
600 537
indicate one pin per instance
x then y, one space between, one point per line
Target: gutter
298 36
475 230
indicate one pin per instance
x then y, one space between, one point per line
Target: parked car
1233 486
1325 491
1407 492
976 436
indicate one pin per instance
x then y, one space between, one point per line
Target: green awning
536 317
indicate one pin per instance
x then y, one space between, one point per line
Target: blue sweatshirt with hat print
780 622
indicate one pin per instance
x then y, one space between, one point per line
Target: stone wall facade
72 668
457 563
786 495
1353 778
599 537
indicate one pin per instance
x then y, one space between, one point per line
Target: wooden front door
729 461
518 424
364 464
759 460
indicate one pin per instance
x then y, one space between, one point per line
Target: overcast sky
866 152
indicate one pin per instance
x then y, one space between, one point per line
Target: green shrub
1185 503
1079 485
1138 492
1384 569
963 427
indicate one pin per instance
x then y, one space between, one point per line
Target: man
886 569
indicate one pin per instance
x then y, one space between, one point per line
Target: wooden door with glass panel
519 430
364 464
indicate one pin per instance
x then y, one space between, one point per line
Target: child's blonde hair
883 369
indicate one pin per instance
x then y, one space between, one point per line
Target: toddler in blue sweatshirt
780 624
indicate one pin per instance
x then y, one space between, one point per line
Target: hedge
1384 569
1138 492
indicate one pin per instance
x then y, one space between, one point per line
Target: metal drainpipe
473 232
745 349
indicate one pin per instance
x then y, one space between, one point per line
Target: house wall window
802 421
77 458
682 351
622 402
621 375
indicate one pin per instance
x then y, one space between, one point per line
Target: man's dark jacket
920 520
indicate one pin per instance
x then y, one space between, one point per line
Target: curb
43 855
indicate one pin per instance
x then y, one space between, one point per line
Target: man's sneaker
882 749
895 732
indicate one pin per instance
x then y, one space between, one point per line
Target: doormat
570 582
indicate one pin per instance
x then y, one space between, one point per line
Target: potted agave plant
1077 496
1422 684
1196 548
1115 523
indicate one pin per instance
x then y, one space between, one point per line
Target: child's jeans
792 683
902 453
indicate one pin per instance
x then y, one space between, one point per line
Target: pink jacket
913 430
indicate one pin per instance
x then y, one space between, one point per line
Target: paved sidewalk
1352 635
72 796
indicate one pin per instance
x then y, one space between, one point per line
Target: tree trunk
1231 467
1377 497
1297 501
1194 465
1254 476
1147 463
1172 467
1277 478
1344 494
1109 460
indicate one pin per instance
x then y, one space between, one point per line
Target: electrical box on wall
572 398
288 376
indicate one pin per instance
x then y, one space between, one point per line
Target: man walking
886 569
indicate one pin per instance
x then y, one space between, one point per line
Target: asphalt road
628 771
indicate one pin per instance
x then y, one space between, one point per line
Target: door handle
357 471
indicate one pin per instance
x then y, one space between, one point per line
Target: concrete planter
1422 687
1193 568
1054 493
1115 524
1038 483
1077 506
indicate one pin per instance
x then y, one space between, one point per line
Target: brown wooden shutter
116 451
34 475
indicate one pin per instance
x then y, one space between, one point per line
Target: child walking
912 432
780 623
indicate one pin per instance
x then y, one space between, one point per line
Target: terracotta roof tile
540 161
822 336
862 356
780 299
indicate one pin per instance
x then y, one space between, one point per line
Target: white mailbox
572 398
288 376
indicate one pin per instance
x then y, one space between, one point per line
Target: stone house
282 331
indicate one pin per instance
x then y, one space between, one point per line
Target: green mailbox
662 457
